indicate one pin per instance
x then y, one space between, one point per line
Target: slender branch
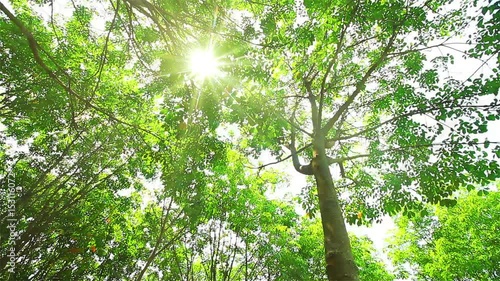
361 85
334 62
331 143
155 251
294 152
477 69
346 158
402 148
34 46
361 42
310 71
464 53
294 96
151 11
303 169
104 52
314 107
298 127
415 50
282 159
325 77
131 33
408 114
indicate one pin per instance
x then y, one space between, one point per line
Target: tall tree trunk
340 265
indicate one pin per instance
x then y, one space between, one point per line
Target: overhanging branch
34 46
402 148
282 159
361 84
333 63
303 169
408 114
314 107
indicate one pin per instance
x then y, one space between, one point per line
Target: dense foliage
457 243
119 163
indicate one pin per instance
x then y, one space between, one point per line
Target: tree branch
296 126
105 48
408 114
403 148
334 62
361 85
34 46
303 169
415 50
282 159
361 41
314 107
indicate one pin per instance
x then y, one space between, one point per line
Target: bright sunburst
204 64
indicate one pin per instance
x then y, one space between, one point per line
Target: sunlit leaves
125 152
452 243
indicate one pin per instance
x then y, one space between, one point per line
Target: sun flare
203 64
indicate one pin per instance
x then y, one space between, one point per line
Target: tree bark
340 265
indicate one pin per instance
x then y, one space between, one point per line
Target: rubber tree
354 93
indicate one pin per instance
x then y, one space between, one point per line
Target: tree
76 99
370 266
349 84
239 230
455 243
66 206
342 83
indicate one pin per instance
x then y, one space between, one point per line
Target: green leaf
486 143
448 202
492 117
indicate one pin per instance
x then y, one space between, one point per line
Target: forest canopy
143 139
